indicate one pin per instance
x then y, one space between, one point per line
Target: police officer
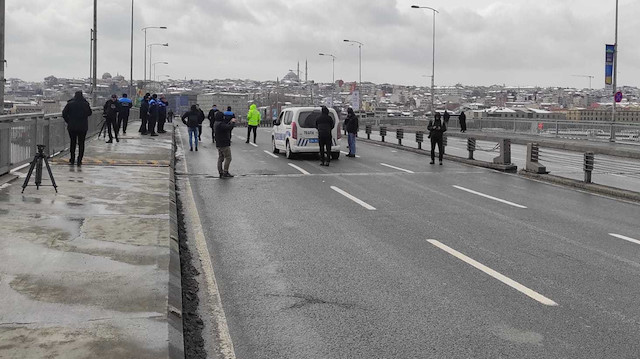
111 109
123 114
162 113
153 115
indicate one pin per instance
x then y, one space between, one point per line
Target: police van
295 132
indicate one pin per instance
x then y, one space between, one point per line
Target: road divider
356 200
490 197
628 239
270 154
299 169
397 168
504 279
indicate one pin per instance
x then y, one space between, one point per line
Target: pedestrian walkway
84 273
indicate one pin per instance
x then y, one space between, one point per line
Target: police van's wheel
335 155
288 152
273 145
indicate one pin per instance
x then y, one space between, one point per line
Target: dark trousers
143 126
199 132
123 121
112 125
162 118
463 125
254 129
151 128
77 138
325 147
436 140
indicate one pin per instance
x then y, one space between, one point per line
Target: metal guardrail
19 135
587 130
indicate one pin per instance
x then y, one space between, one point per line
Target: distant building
239 102
604 114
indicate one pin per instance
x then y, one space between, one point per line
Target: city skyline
477 42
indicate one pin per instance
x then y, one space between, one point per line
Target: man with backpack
192 116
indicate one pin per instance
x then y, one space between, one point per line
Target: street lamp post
151 54
154 67
433 59
612 138
131 68
360 70
94 95
145 47
333 74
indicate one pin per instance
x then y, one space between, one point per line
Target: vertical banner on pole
608 65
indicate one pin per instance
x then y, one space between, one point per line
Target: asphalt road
434 261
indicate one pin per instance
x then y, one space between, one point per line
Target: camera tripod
37 164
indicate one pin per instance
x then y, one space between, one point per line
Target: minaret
298 71
306 71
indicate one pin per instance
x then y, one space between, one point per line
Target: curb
493 166
590 187
174 305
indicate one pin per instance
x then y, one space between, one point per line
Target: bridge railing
19 135
587 130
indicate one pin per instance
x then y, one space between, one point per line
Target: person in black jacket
463 122
222 129
162 113
144 113
111 109
446 116
192 116
212 120
200 121
324 125
351 126
436 129
76 114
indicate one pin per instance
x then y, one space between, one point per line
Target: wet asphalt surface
305 272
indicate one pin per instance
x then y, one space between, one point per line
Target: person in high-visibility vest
253 121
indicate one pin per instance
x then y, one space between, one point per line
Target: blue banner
610 51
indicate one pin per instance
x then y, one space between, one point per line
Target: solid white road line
508 281
299 169
356 200
396 168
270 154
490 197
253 144
346 153
628 239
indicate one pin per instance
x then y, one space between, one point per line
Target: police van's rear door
307 133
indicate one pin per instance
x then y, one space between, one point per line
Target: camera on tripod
38 159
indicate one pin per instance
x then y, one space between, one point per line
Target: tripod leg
53 181
39 173
26 180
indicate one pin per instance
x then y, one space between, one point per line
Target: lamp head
415 6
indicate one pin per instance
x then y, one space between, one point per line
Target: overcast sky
478 42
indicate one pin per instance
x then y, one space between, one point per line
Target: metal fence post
399 135
471 146
588 166
419 138
367 129
383 132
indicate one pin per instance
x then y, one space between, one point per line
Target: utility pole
2 60
94 95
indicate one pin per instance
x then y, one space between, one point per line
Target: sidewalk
85 273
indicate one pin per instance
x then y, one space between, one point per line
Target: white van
295 132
